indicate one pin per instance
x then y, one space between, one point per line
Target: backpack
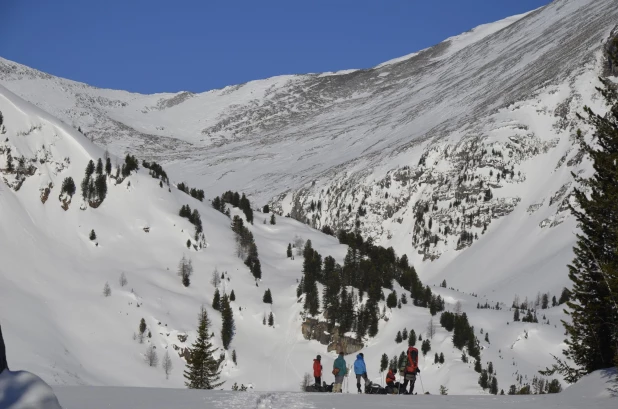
375 389
329 388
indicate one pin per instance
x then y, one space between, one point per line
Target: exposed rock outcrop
317 330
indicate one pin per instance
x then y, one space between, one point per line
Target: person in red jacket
390 378
411 370
317 370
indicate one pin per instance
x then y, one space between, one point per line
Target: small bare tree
216 278
458 308
299 245
107 291
431 329
140 337
123 279
151 357
307 380
185 270
167 364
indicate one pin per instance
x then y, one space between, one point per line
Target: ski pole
419 377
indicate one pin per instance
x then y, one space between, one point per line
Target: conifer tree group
246 247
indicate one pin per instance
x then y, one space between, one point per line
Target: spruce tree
108 166
272 219
441 358
593 299
232 296
93 235
216 300
289 251
99 169
436 359
493 389
398 338
426 347
203 369
271 320
228 328
384 363
412 338
267 298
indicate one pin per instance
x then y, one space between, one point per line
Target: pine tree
426 347
516 315
107 291
404 334
232 296
272 219
228 328
412 338
234 357
90 169
99 168
441 359
593 300
312 300
384 363
93 235
267 298
203 370
398 338
271 320
436 359
493 389
289 251
391 300
108 166
477 365
216 300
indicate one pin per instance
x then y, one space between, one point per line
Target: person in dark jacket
361 371
317 370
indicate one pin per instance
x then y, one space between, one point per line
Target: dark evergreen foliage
130 164
267 298
203 370
216 300
593 300
228 328
68 186
156 171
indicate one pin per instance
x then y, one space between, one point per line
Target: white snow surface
597 391
289 140
23 390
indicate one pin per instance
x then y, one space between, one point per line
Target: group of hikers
340 371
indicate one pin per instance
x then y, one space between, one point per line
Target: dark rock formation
3 363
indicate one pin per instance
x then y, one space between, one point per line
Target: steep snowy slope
459 156
59 325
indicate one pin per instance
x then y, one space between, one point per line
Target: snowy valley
460 157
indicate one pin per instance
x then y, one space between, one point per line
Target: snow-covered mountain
459 155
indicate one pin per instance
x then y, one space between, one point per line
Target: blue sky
154 45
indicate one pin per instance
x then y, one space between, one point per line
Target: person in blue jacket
361 372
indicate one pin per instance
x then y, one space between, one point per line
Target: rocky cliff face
316 330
